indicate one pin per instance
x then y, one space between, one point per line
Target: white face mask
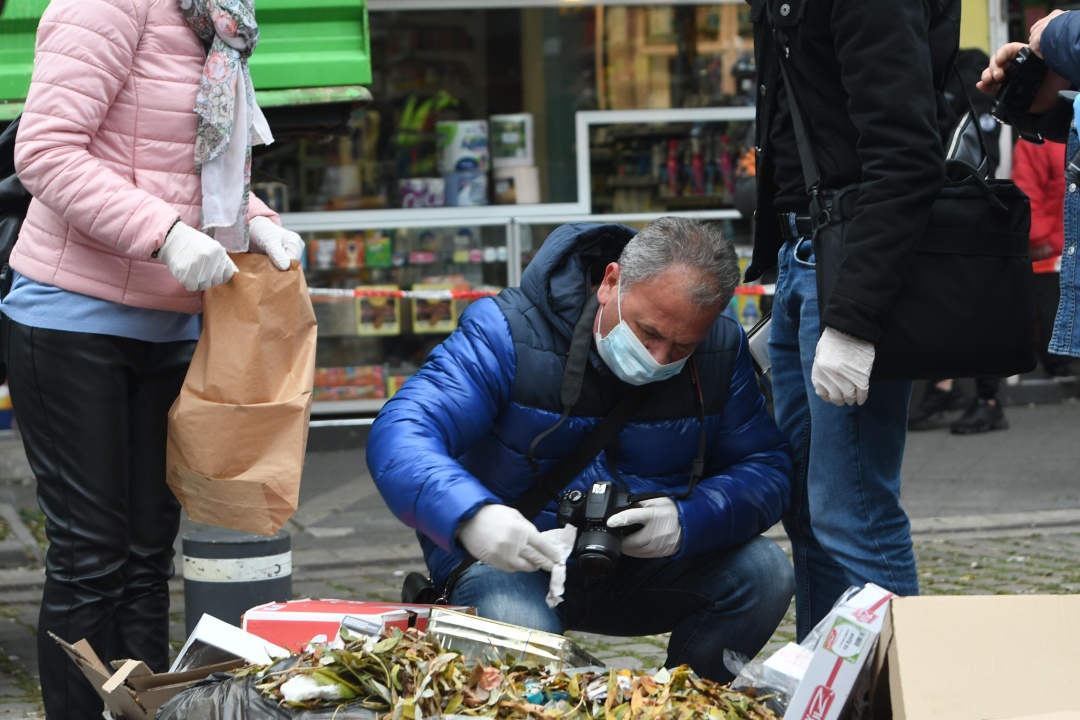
627 356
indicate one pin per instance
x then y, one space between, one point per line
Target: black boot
981 416
935 403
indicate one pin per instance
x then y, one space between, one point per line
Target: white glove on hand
197 260
661 535
842 365
270 239
500 536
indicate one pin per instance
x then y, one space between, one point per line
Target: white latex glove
500 536
270 239
842 365
197 260
661 535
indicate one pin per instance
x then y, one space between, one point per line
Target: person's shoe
980 417
1060 370
932 408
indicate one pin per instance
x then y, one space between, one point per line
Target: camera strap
550 484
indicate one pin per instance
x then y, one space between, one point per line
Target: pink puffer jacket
106 147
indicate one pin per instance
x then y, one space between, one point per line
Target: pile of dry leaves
408 675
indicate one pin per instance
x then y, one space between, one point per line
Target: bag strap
819 214
974 118
812 175
535 498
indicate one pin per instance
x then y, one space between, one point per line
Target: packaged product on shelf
433 315
463 146
749 310
395 378
377 250
516 185
334 315
421 192
462 244
338 393
467 188
350 253
354 382
427 247
511 140
378 314
323 253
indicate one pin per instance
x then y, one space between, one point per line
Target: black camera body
598 546
1018 90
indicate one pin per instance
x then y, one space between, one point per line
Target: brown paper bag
238 430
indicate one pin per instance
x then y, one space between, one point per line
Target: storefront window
503 84
414 204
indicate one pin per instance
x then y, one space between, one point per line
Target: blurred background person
1039 170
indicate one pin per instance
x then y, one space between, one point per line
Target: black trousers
93 413
1047 297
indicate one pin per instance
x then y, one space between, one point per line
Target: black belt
794 226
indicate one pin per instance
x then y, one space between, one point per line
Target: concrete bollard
228 572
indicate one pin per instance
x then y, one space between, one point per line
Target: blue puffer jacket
456 435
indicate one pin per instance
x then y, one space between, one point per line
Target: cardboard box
844 647
135 692
293 624
979 657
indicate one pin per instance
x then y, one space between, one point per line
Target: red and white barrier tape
348 293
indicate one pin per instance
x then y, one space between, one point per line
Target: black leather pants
93 413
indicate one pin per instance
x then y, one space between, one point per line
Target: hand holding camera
610 524
1017 92
660 534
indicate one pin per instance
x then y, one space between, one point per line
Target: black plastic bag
222 696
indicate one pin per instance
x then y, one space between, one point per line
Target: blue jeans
1066 337
845 523
732 600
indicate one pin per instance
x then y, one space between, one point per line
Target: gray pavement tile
991 514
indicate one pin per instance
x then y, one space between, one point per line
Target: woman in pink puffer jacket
135 142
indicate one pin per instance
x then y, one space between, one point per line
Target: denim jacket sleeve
1060 43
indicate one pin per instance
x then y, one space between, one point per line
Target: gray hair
676 241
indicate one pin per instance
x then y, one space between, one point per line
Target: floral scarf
228 29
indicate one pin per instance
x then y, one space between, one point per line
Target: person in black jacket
868 76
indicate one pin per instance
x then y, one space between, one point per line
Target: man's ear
609 285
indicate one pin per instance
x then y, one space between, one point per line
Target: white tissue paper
563 538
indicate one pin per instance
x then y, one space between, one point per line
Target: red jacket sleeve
1039 170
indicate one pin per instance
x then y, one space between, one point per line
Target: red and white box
846 645
295 623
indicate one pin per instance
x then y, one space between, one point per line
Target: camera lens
597 552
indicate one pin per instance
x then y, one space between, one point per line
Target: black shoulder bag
967 306
417 588
14 200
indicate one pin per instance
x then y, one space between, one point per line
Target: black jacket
869 77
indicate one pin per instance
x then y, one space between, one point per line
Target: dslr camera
598 547
1018 90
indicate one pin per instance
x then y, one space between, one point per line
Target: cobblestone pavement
981 563
991 514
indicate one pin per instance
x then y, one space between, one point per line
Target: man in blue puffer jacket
462 440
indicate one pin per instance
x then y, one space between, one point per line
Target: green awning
18 25
311 43
310 52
